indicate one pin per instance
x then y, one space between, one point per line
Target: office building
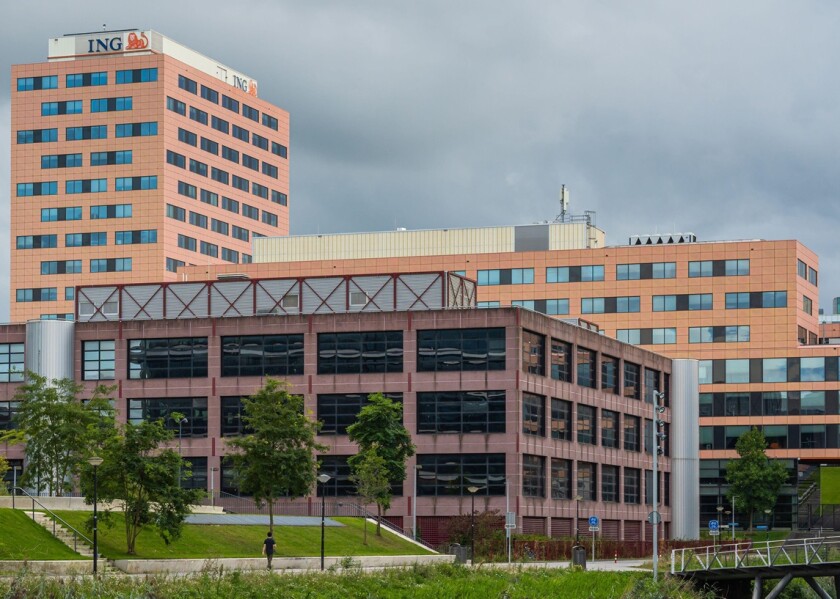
133 155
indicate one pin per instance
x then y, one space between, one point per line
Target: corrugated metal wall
49 348
685 449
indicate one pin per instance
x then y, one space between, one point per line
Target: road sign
714 533
510 520
714 525
654 518
593 520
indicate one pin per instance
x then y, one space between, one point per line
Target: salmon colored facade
172 150
755 333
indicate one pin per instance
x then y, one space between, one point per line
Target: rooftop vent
669 238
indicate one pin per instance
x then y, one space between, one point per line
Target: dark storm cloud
718 118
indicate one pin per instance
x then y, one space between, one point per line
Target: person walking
268 548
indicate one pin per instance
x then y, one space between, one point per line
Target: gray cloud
716 118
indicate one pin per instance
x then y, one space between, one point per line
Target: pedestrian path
259 520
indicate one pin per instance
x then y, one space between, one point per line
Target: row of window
86 79
212 198
778 436
769 403
96 105
96 159
31 136
806 272
231 104
212 147
580 365
659 303
78 186
61 267
202 221
769 370
668 335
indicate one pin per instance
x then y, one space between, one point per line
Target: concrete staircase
73 541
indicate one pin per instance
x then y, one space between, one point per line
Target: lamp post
733 517
14 484
472 489
577 519
767 513
181 422
417 469
323 479
95 462
213 471
719 509
655 449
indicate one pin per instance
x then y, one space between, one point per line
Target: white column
685 449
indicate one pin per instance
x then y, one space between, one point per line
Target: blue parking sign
714 525
593 520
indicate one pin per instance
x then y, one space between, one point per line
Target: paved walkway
622 565
259 520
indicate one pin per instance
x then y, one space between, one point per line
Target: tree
277 459
4 468
143 477
754 478
58 429
370 475
379 424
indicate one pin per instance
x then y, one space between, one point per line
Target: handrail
54 517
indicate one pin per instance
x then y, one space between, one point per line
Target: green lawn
22 539
210 541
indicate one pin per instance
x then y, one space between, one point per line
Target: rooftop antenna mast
564 204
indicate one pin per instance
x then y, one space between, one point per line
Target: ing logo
136 42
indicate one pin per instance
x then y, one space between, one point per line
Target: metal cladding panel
378 289
186 300
231 298
685 449
49 348
420 292
269 295
325 296
97 304
461 292
142 302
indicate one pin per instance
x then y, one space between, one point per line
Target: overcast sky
717 118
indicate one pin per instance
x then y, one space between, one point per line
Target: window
239 233
199 168
360 352
219 175
700 269
807 305
188 137
198 115
232 206
210 146
451 474
631 433
628 272
533 353
812 276
811 436
632 483
172 265
65 107
700 301
737 268
229 255
187 243
240 133
35 242
259 141
187 84
587 367
185 189
209 197
45 188
463 350
98 360
176 159
737 404
176 213
219 124
111 211
586 426
61 267
269 219
561 419
136 183
211 95
592 305
737 371
587 481
11 364
812 402
26 84
338 411
230 104
776 436
111 104
138 130
232 414
250 113
179 357
37 136
193 409
198 220
664 270
510 276
61 161
719 268
609 374
209 249
135 237
86 79
109 158
40 294
533 475
240 183
86 186
176 106
460 412
609 429
533 415
664 303
269 121
262 355
230 154
609 483
279 149
85 239
250 162
561 478
664 336
137 76
110 265
574 274
632 381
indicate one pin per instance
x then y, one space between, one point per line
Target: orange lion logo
137 43
252 88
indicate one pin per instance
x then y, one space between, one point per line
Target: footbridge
732 566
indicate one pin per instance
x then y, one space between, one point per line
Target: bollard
615 557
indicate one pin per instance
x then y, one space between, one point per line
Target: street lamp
733 517
578 499
719 509
213 471
472 489
656 437
417 469
323 479
95 462
767 513
181 422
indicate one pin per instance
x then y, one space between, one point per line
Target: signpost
714 531
594 526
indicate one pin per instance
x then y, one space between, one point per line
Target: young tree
277 459
380 424
58 429
136 472
754 478
4 468
370 475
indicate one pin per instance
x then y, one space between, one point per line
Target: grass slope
420 582
23 539
210 541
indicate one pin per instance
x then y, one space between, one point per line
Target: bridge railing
755 554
